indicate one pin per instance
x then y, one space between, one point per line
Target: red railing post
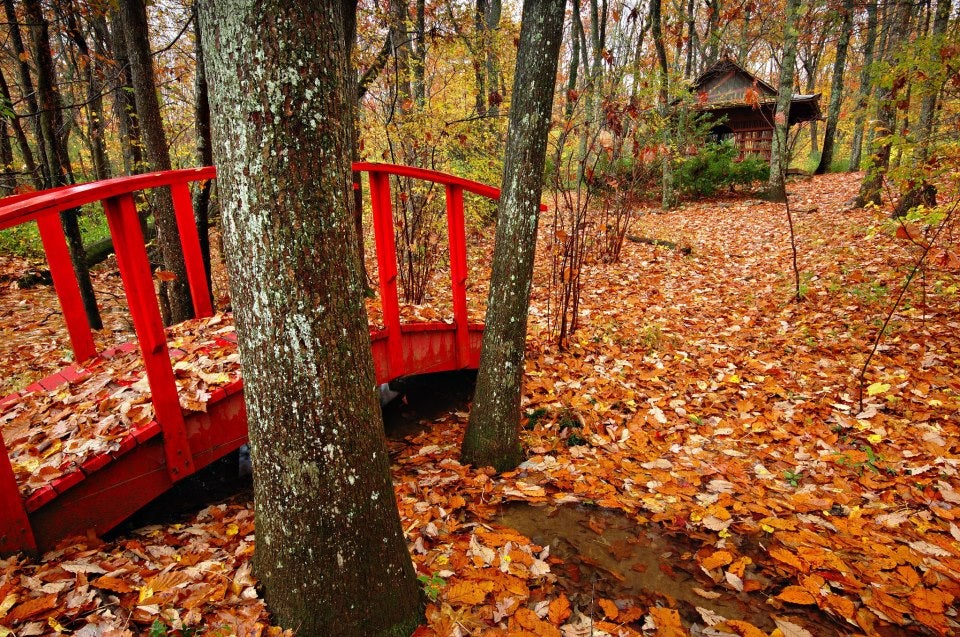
190 242
66 286
16 534
138 284
387 267
457 238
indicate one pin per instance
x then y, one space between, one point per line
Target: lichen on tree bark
330 553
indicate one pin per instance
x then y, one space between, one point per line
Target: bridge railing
117 197
383 228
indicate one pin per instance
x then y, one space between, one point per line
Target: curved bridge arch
106 488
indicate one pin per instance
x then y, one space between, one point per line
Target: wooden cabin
744 107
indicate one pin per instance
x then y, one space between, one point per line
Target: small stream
626 561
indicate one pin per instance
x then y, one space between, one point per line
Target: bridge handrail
117 196
123 220
21 208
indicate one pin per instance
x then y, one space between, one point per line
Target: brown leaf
32 608
113 584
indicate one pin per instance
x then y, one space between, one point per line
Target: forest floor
699 460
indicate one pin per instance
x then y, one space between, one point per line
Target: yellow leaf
232 529
7 603
877 388
145 593
54 624
874 438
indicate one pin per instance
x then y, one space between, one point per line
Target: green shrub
715 167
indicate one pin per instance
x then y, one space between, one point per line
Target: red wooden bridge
97 491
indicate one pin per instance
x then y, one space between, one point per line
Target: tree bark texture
133 15
492 437
330 553
780 152
836 88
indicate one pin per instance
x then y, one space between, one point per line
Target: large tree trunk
133 15
55 149
330 553
780 150
663 105
492 437
919 190
872 186
836 88
866 87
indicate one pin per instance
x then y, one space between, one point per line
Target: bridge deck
85 446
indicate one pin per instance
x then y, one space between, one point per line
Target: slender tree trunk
576 29
712 51
55 147
744 49
866 87
691 37
663 105
836 88
201 198
350 41
26 153
920 190
26 86
492 437
8 177
330 553
400 40
872 187
780 150
492 15
420 56
90 68
476 53
113 43
133 15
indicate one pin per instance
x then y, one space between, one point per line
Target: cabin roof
723 87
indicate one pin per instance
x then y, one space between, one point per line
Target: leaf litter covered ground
697 405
